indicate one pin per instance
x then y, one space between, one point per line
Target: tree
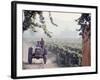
29 21
85 22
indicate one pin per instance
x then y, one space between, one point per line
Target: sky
66 26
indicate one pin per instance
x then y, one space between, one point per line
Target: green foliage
85 22
29 21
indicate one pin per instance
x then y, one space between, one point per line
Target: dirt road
38 64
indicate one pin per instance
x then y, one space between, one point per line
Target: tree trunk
86 59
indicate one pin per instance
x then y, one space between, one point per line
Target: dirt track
38 64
